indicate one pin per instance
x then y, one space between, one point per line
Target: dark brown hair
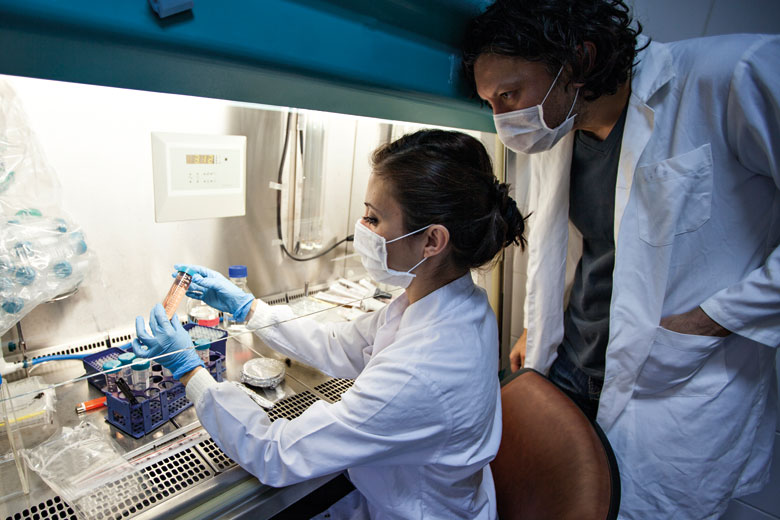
553 31
442 177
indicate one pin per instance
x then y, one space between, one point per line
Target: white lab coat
697 222
416 430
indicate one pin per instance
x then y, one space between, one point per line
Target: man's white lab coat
697 222
416 430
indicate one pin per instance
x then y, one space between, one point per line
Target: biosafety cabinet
278 104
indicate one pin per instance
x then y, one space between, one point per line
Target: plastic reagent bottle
111 368
237 275
141 372
202 314
177 291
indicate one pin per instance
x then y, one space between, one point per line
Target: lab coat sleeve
334 348
394 418
751 308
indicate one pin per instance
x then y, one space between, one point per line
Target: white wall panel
750 16
669 20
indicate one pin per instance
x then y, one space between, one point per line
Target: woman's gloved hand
168 337
219 292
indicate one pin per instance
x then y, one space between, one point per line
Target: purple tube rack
162 401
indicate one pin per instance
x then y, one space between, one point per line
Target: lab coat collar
432 305
655 72
549 230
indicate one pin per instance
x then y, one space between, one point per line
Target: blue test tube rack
164 399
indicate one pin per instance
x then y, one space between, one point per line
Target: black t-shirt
592 209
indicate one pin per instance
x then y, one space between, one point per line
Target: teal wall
394 59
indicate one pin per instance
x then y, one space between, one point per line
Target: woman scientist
423 418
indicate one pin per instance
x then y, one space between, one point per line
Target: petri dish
263 372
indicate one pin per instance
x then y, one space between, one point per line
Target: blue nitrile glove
217 291
168 336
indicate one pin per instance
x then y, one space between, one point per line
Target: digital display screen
199 159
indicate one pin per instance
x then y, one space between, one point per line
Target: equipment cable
348 238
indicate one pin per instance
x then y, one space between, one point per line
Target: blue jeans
583 389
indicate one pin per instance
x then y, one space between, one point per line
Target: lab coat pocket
674 196
683 365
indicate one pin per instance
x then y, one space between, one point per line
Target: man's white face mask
372 248
525 131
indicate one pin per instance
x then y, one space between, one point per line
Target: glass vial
177 291
202 348
141 373
111 368
236 274
125 360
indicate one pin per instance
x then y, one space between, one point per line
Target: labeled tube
177 291
141 373
125 360
111 368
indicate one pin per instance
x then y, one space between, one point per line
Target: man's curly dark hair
553 31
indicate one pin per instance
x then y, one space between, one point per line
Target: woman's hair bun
445 177
514 221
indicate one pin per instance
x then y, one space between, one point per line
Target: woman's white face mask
372 248
525 130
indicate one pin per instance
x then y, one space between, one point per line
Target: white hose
7 368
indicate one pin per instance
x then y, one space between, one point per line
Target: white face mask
525 131
372 248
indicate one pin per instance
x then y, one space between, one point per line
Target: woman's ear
437 238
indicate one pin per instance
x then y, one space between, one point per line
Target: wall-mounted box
198 176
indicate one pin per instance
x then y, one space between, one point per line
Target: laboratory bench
191 477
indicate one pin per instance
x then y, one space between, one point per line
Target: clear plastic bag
43 254
13 447
34 404
85 468
26 179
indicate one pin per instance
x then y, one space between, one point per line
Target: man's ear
437 239
587 56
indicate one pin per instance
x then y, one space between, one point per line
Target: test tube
125 360
111 368
177 291
202 348
141 372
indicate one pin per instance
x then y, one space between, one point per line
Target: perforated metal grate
52 509
120 339
290 296
167 478
293 406
177 473
215 456
334 388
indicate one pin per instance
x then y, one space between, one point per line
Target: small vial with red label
177 291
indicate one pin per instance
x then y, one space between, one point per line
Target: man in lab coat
654 168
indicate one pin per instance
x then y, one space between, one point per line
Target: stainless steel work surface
191 476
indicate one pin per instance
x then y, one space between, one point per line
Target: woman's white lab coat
416 430
697 222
